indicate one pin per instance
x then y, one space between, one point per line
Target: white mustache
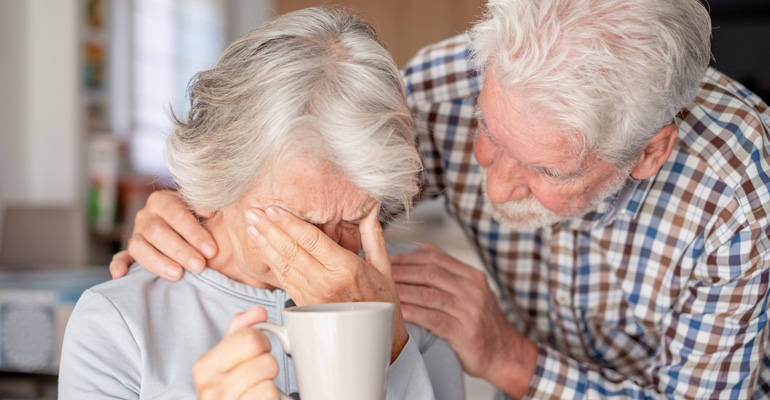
528 213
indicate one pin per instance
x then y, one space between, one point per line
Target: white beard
528 214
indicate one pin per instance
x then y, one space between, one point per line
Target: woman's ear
656 153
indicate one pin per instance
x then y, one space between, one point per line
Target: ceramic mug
341 351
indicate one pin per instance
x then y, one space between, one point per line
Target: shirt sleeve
432 177
100 357
712 342
408 377
444 368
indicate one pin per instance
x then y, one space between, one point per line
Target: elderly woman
302 129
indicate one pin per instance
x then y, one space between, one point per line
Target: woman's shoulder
131 289
126 333
129 302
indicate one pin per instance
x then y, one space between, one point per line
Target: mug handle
283 337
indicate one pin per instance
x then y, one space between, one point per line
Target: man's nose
484 150
507 181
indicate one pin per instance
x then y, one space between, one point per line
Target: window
159 46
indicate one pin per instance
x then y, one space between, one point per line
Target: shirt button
562 299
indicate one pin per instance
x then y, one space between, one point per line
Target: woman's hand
240 366
166 238
314 269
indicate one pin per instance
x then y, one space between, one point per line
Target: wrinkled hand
314 269
455 302
167 237
240 366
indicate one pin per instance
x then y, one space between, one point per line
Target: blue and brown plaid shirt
660 292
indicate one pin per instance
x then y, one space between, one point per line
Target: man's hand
167 237
314 269
240 366
455 302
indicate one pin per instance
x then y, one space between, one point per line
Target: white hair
312 82
616 71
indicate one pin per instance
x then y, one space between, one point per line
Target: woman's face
311 190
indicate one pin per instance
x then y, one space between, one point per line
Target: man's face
533 174
309 189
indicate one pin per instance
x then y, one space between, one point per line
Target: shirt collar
625 202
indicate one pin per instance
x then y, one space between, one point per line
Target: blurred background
86 87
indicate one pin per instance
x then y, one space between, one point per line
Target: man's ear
656 153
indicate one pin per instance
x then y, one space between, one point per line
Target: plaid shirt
662 290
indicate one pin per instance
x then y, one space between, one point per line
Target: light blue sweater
139 336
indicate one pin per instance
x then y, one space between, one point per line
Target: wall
42 157
13 100
245 15
55 159
405 26
741 47
40 149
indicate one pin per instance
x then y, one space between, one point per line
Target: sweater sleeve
444 368
100 357
408 377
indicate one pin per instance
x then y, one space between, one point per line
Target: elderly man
302 126
617 189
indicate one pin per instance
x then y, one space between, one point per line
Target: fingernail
208 249
197 265
174 273
252 216
272 213
253 232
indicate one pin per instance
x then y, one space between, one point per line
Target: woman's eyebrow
288 209
311 220
355 221
307 218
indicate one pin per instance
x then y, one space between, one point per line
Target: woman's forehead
316 195
312 212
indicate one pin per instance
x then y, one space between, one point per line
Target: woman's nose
346 238
331 231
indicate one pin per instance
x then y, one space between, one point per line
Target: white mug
341 351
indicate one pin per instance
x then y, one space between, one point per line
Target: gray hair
312 82
616 71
